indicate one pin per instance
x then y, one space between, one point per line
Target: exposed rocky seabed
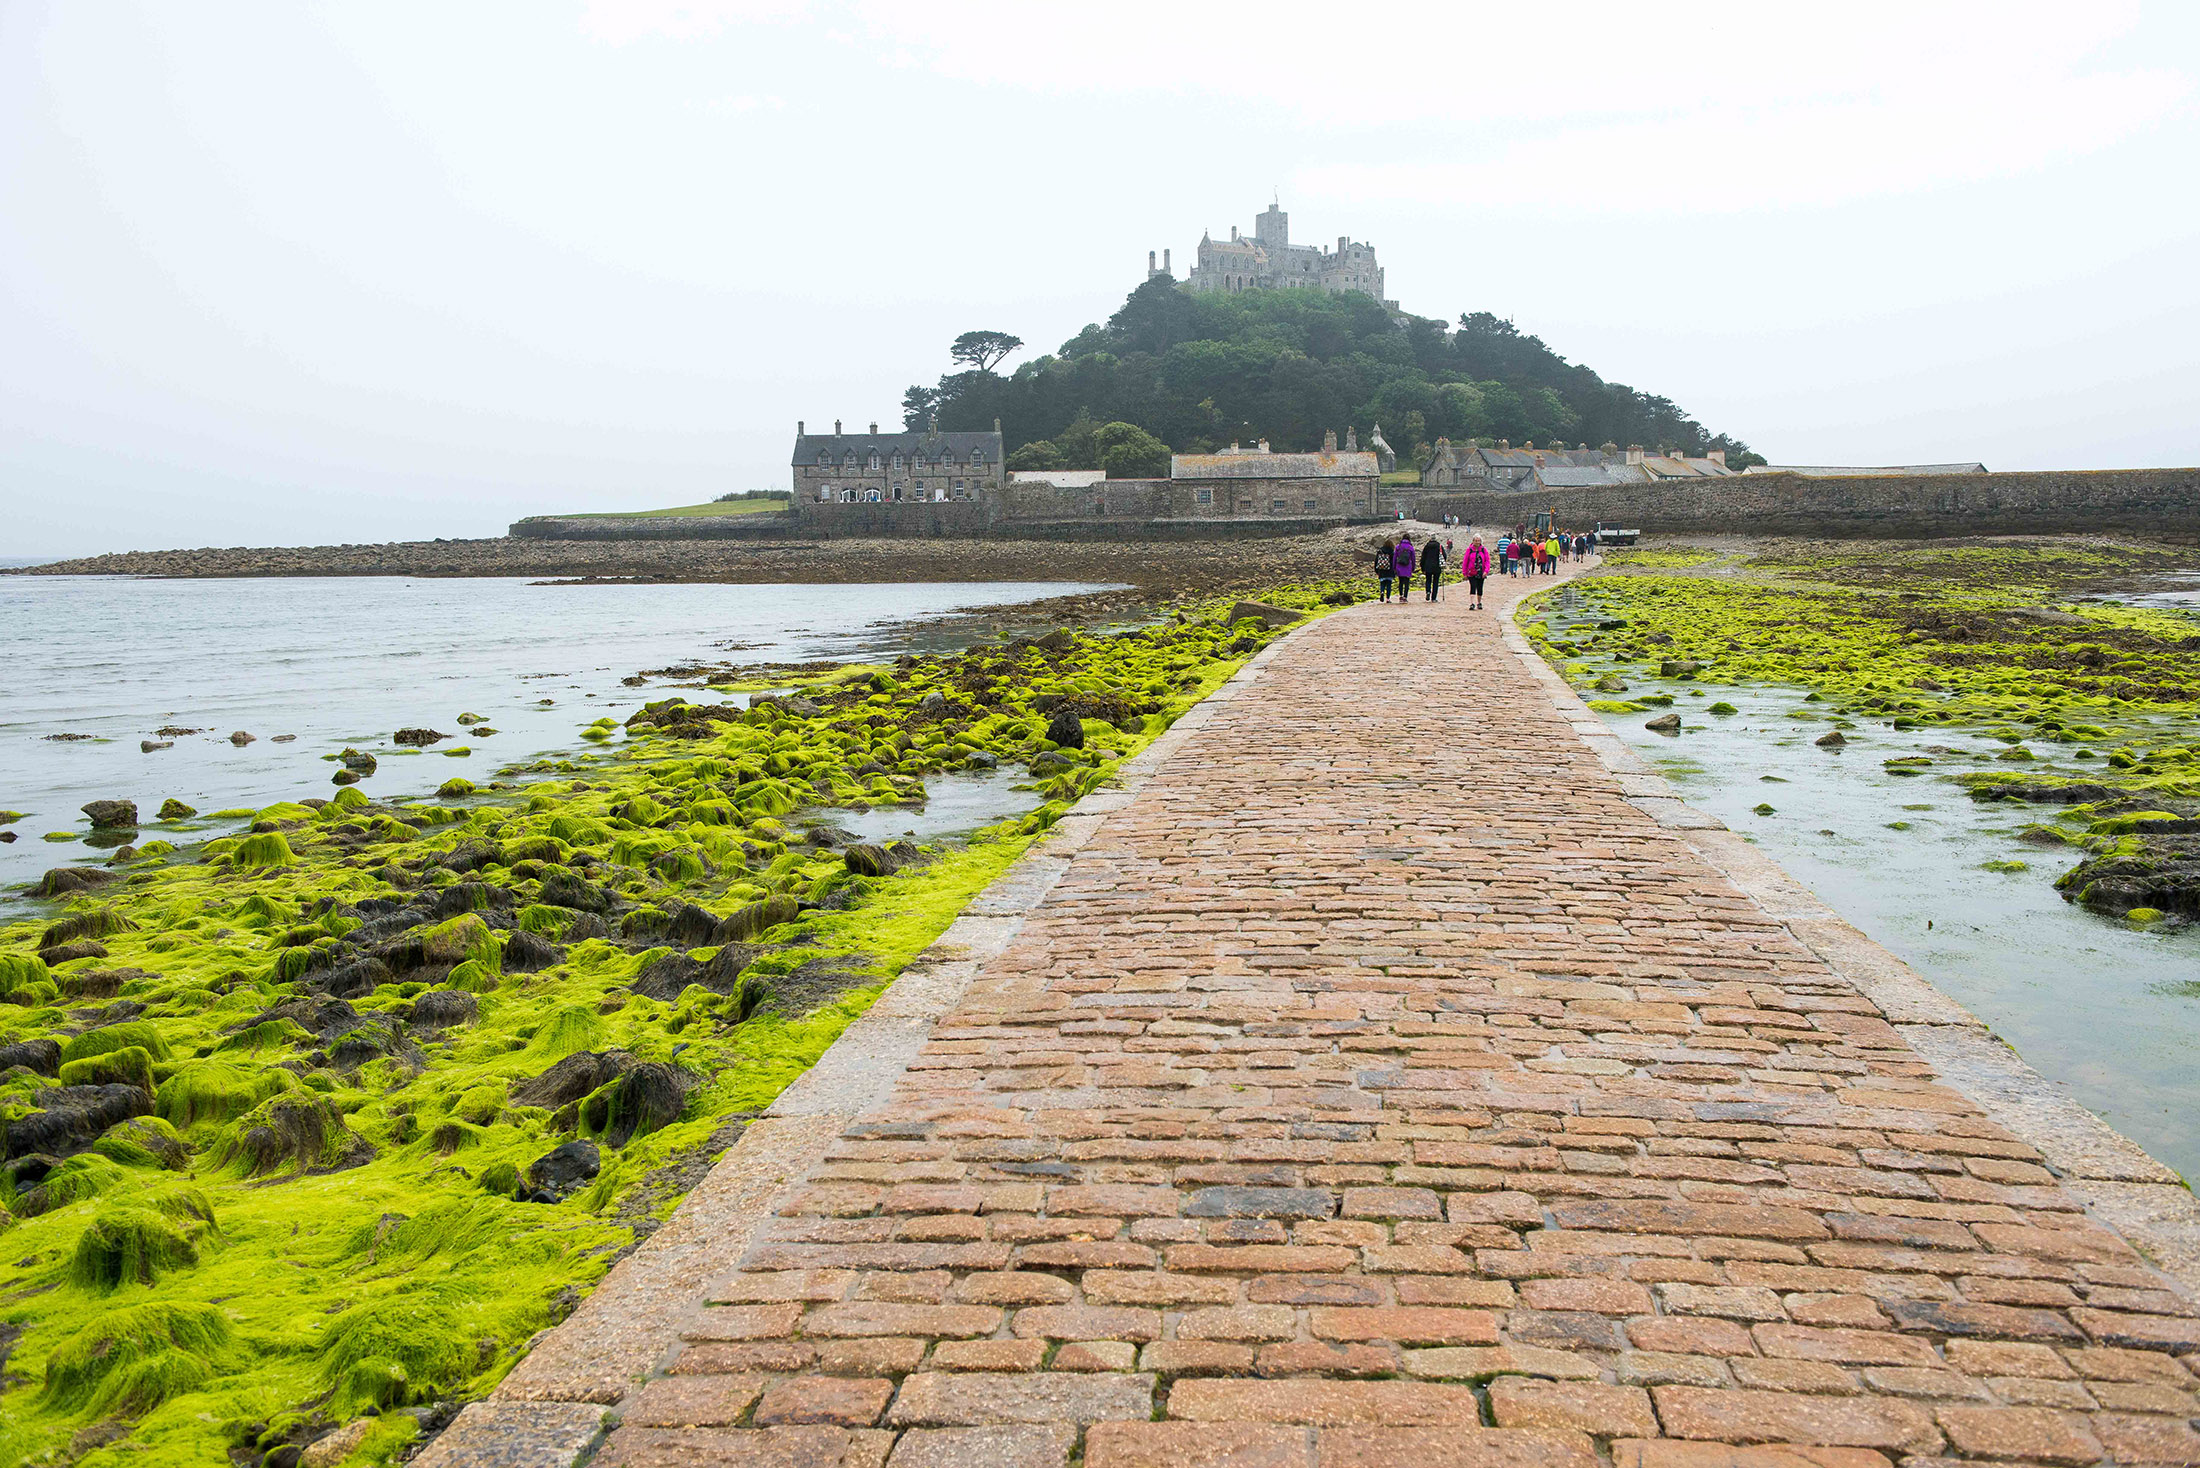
316 1114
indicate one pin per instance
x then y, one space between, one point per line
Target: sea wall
2153 501
1138 509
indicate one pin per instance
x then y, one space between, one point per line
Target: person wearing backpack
1432 565
1386 567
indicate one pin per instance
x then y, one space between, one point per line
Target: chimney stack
996 427
800 428
1166 269
874 430
1149 262
1718 457
1329 441
836 428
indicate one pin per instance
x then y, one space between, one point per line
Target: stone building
1269 261
1502 467
1339 483
888 468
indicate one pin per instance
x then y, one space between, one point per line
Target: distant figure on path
1386 566
1404 560
1550 556
1432 565
1474 564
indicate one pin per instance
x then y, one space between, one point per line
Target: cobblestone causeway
1339 1106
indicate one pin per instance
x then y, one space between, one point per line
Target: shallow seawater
350 660
954 804
2106 1009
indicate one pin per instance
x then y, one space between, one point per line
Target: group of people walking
1518 553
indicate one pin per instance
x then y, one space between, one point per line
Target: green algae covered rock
136 1243
173 809
262 849
140 1034
127 1362
128 1066
393 1351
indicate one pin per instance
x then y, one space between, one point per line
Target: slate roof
808 446
1835 471
1338 465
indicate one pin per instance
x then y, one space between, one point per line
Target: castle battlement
1267 260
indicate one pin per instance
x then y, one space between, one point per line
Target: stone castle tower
1267 260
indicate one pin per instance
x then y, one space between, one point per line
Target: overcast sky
287 273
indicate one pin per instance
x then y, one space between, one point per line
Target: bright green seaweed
320 1212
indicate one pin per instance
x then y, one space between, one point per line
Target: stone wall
2151 501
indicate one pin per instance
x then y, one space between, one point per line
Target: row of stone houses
1501 467
875 468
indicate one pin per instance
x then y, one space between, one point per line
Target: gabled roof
808 446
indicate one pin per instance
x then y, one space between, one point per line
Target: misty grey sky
286 273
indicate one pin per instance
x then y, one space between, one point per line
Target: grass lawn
1401 476
715 507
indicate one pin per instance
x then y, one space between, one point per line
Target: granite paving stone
1394 1072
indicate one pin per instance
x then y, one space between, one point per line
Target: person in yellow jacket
1550 555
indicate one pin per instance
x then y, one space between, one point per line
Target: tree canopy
1195 372
983 350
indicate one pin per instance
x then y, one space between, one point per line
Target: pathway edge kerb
2120 1183
578 1371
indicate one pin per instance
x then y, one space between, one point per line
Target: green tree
1038 454
1130 452
981 350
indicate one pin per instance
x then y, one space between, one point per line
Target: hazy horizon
287 274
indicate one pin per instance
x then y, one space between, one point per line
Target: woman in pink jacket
1474 564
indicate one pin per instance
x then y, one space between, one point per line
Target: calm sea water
2107 1009
350 660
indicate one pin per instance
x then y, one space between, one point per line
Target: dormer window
874 458
897 463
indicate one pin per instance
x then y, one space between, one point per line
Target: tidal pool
2107 1009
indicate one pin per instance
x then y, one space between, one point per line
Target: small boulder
111 815
173 809
1066 729
240 738
63 881
1665 724
1263 613
147 746
1679 668
1831 739
344 777
1609 683
979 759
357 760
572 1078
40 1057
441 1008
934 702
868 860
562 1171
747 921
418 738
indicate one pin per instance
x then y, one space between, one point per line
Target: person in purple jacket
1403 561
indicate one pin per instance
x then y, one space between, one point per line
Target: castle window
1313 504
1276 505
1203 497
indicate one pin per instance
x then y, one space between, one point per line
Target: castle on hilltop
1269 261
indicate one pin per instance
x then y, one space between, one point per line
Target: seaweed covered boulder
40 1056
572 1078
111 815
2156 874
647 1095
298 1131
388 1352
442 1008
562 1171
67 881
123 1363
136 1243
71 1118
1066 729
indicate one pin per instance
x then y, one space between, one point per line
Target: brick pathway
1334 1109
